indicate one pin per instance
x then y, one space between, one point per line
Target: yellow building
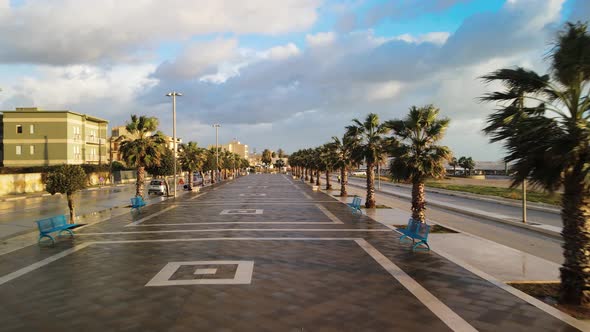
34 137
236 147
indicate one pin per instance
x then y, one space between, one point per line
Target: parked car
358 173
157 187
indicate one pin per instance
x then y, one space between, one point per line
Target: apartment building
35 137
236 147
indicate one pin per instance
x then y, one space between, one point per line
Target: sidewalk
16 197
503 263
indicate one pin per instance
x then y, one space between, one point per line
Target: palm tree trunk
370 203
575 214
70 198
343 182
328 185
311 174
140 181
211 177
418 201
317 178
306 175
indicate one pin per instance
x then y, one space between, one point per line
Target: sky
275 74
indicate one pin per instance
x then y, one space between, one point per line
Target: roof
38 110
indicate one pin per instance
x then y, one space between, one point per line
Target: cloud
198 58
63 32
320 39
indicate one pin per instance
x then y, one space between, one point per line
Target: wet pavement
260 253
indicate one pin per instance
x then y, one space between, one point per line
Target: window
19 150
76 133
31 129
19 129
32 149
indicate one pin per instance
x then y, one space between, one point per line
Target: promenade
259 253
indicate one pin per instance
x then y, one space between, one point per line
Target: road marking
583 326
305 194
242 222
137 222
197 196
448 316
329 214
240 230
39 264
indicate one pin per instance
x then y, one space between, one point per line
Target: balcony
95 140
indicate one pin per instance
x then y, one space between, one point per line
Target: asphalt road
512 212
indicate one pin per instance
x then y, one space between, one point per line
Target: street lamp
216 126
174 94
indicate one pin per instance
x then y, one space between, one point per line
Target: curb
542 231
45 194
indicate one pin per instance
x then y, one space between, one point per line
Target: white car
358 173
157 187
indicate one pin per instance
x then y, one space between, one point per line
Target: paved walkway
261 253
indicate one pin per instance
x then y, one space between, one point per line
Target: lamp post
217 126
174 94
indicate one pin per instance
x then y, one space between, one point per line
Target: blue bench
137 202
54 224
416 231
355 205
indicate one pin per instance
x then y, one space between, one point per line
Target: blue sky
289 73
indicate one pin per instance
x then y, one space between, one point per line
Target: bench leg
66 230
402 238
47 236
415 247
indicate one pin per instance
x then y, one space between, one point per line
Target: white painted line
535 302
329 214
137 222
306 195
240 222
286 202
242 211
243 275
448 316
205 271
232 239
239 230
197 196
41 263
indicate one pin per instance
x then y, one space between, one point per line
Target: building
236 147
34 137
114 142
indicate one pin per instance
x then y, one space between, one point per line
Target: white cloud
283 52
385 90
437 38
62 32
320 39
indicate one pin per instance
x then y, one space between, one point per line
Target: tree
280 163
281 153
66 179
454 163
165 168
192 158
344 160
544 124
141 149
273 154
327 162
467 163
416 157
266 157
368 147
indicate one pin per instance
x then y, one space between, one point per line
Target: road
512 212
19 215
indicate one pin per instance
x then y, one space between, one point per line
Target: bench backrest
51 223
356 202
135 201
420 228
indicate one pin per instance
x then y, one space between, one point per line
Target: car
358 173
157 187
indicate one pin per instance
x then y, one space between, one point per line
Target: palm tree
140 148
191 158
544 123
369 147
454 163
344 159
467 163
416 156
327 161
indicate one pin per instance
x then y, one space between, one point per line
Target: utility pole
174 94
524 201
216 126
